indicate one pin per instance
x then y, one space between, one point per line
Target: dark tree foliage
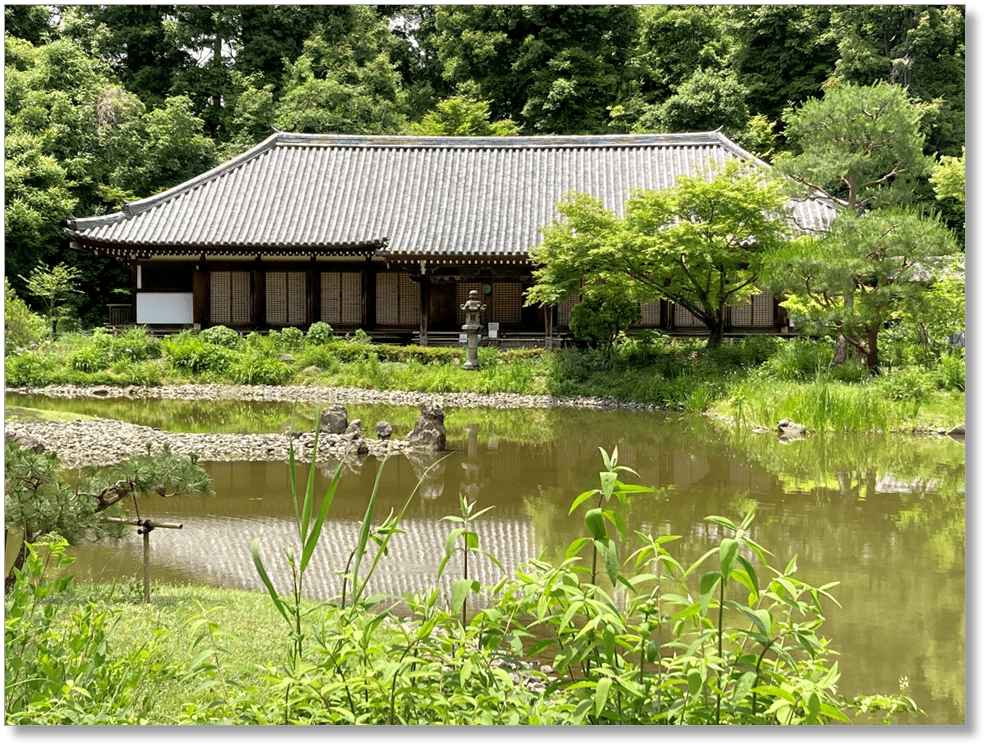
919 47
784 53
32 23
553 69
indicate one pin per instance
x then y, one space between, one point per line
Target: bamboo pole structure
144 528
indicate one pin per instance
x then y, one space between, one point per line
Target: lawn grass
761 380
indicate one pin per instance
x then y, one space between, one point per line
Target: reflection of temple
217 551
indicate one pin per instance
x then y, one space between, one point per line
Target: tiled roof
408 196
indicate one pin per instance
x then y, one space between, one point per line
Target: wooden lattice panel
763 311
505 305
759 313
564 309
652 314
397 300
286 299
230 297
684 318
341 301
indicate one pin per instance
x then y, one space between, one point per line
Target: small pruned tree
53 287
39 500
699 244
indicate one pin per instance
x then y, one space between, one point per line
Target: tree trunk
872 356
717 332
840 351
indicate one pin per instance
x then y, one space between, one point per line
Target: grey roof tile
418 196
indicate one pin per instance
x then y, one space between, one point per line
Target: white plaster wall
164 308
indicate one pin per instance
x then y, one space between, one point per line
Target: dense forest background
117 102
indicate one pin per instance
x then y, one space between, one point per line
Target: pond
882 514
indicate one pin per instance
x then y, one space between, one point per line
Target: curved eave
134 251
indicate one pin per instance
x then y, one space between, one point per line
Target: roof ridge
610 140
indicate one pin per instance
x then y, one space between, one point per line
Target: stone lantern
473 308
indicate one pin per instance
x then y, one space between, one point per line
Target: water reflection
884 515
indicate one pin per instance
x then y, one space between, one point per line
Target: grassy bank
759 380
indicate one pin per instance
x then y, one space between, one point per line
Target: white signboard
164 308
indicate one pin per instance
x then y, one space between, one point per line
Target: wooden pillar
315 291
201 295
259 316
370 275
424 310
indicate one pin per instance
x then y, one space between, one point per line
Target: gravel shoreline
108 441
317 394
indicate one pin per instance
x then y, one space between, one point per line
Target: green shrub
523 354
319 333
22 327
949 373
59 667
257 370
798 359
286 339
421 354
349 349
851 371
221 335
192 354
908 384
31 369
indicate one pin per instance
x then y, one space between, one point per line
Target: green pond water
882 514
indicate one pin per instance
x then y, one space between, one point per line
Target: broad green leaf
583 498
616 519
707 586
728 551
576 545
829 711
459 589
721 520
742 687
601 695
608 479
594 520
609 552
694 682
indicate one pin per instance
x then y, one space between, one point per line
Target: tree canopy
866 272
700 244
105 103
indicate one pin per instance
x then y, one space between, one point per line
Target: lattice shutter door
409 303
463 294
763 311
741 315
351 299
329 298
652 314
219 298
506 303
563 311
683 318
286 298
230 297
386 299
341 302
